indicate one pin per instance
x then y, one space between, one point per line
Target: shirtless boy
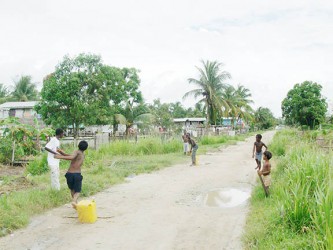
73 175
266 170
257 148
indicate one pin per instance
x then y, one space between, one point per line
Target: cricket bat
263 185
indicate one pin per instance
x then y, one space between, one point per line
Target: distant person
185 143
73 175
53 148
193 149
257 149
266 170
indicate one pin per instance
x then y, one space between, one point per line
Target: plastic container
87 211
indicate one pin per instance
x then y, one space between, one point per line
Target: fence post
13 153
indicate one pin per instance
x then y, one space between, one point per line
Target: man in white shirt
53 148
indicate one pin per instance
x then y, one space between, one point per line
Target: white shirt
53 144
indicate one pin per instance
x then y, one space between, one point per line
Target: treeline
84 90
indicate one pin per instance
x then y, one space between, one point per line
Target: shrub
38 166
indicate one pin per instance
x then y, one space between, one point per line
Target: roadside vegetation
299 212
104 167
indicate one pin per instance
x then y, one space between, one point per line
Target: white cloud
267 46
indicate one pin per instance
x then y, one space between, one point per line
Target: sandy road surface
179 207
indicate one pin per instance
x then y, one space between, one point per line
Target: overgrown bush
38 166
301 203
21 137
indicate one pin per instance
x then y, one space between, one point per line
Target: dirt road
179 207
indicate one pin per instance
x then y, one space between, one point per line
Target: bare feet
74 205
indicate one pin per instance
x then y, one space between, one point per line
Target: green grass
299 212
102 168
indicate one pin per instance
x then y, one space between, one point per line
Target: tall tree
83 91
264 118
238 100
24 90
177 110
161 112
210 86
304 105
244 109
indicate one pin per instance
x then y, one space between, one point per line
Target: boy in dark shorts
73 175
257 148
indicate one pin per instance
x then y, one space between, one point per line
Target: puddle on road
225 198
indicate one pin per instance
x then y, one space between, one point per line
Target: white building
22 110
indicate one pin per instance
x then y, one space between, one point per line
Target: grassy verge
299 212
102 168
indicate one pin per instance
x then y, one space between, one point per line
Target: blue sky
267 46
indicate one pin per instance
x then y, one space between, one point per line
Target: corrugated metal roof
189 119
18 105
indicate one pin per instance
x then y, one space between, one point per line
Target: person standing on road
257 149
185 143
53 148
193 150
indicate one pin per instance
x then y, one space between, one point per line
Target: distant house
22 110
227 122
190 122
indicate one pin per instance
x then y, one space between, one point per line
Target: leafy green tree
83 91
24 90
210 86
177 110
161 112
304 105
122 85
264 118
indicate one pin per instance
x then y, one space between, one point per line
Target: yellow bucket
87 211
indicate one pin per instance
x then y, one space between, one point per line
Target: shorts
259 156
74 181
267 180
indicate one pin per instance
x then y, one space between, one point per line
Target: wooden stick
263 184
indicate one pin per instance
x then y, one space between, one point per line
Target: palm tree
210 88
238 103
132 115
230 97
3 93
244 110
24 90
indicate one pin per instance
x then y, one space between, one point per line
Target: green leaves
219 98
24 89
82 90
304 105
264 118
